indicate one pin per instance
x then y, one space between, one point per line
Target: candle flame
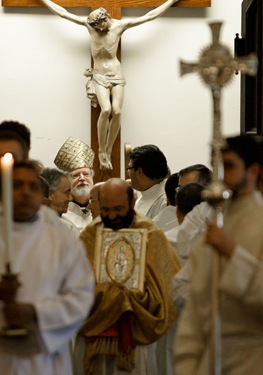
8 157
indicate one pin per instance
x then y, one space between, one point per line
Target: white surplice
57 279
152 200
194 223
165 217
241 298
79 217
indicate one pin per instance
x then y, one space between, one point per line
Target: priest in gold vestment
121 333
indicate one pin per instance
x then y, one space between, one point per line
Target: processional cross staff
216 67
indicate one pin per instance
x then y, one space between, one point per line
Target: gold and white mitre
74 154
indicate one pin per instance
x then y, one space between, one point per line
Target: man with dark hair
170 188
187 198
20 129
148 169
57 283
181 238
194 173
166 219
239 246
12 142
178 236
121 334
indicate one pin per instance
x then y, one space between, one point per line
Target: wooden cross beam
114 8
110 5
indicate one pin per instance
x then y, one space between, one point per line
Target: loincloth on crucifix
106 80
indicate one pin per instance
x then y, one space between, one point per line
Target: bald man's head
116 203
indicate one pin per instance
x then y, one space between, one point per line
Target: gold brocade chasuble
147 315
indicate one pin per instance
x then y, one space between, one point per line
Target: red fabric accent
110 332
125 331
122 329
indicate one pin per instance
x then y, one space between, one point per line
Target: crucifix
105 86
216 67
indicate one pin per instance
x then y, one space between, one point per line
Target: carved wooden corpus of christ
114 9
216 67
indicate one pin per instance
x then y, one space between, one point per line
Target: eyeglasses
75 176
129 168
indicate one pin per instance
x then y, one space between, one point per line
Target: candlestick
10 278
7 162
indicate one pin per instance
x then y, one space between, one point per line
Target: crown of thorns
101 16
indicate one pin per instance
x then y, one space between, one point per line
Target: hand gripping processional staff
216 67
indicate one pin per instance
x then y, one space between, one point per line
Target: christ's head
100 19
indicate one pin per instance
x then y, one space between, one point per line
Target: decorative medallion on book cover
120 256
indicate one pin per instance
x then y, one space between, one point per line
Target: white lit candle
7 162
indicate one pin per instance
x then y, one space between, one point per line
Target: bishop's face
81 181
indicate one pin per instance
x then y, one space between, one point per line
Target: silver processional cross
216 67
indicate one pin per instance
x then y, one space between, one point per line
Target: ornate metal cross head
216 67
216 64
